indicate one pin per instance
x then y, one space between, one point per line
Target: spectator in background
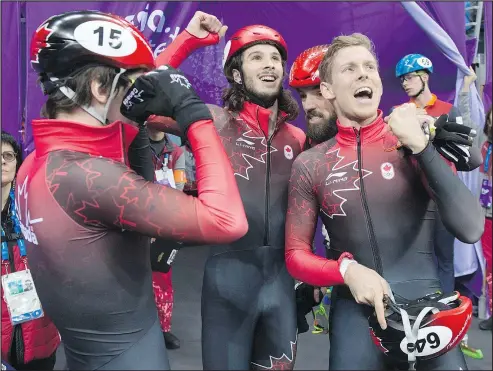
486 239
485 192
169 166
463 102
175 139
191 185
414 72
29 345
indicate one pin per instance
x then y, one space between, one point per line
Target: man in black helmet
86 216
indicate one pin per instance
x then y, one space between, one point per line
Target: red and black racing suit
87 219
375 203
248 297
248 301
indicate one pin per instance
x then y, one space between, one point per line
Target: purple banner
302 24
451 17
11 76
488 87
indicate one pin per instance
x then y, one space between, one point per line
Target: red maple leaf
39 40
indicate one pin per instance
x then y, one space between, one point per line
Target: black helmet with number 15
67 43
70 40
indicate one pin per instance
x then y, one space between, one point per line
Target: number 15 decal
105 38
114 41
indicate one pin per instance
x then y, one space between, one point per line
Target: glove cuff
427 150
191 113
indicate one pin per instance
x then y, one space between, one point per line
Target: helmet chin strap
413 332
423 86
70 94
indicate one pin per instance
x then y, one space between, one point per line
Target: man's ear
98 93
326 90
425 77
237 76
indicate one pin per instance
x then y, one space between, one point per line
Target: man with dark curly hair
248 297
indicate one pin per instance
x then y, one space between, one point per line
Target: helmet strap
112 94
423 86
70 94
412 332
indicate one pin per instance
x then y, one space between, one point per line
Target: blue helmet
411 63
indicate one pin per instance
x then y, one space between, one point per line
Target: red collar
258 117
111 141
347 136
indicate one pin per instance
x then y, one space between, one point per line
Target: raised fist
164 92
404 123
203 24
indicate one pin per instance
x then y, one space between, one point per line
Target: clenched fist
203 24
164 92
406 126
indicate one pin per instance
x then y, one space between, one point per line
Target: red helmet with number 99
424 328
304 71
66 42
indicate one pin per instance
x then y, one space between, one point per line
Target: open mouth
268 78
363 93
313 115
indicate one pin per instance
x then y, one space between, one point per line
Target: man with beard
248 301
321 126
319 113
321 120
379 205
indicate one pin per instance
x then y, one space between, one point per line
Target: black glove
164 92
464 158
163 253
451 131
453 141
304 304
140 155
475 160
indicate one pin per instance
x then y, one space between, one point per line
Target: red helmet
254 34
424 328
68 41
304 71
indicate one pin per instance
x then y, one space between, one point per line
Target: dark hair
9 139
234 96
488 124
80 82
